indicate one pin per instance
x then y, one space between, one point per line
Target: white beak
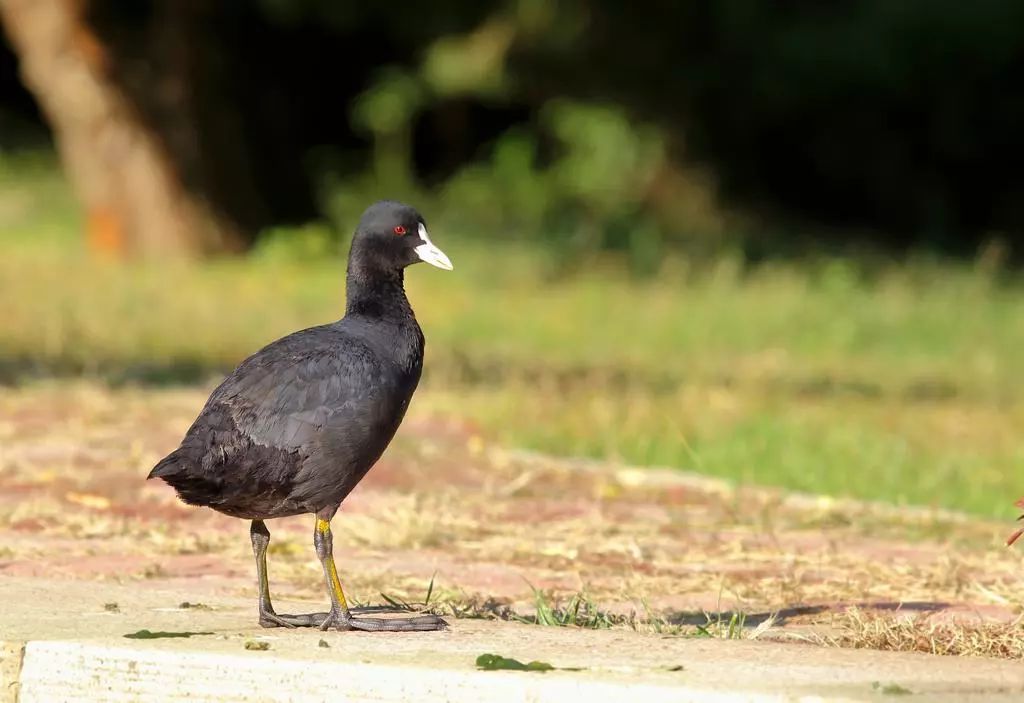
430 253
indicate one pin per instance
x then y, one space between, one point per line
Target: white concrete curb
74 671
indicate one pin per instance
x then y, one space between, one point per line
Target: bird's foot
342 620
268 618
274 620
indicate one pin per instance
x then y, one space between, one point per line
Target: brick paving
484 521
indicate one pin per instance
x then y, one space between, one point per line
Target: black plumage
299 423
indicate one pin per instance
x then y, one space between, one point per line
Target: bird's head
391 236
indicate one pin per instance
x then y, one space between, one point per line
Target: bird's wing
284 395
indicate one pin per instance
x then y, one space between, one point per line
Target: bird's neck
377 294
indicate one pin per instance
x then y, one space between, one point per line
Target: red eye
399 230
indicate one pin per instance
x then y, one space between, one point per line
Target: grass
917 634
890 382
579 610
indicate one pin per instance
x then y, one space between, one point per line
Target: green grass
901 384
580 611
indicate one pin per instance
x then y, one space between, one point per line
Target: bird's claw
343 621
272 619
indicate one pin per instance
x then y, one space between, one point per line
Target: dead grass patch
914 633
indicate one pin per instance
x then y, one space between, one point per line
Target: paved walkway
80 529
77 650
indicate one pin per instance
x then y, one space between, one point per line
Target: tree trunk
137 197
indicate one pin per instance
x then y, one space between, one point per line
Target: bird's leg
340 617
260 536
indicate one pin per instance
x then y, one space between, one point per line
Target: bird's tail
168 466
184 476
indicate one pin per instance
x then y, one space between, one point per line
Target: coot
298 424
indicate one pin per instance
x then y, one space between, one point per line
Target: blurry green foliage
890 123
599 126
578 181
589 197
296 244
389 105
471 64
893 122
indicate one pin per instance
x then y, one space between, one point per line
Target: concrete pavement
67 642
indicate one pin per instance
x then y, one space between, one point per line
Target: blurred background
773 242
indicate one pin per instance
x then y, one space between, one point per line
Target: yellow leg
261 574
260 536
340 617
324 542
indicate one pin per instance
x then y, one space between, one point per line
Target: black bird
298 424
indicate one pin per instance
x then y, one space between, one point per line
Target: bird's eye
399 230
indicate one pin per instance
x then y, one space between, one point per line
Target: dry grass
414 521
607 546
917 633
734 626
